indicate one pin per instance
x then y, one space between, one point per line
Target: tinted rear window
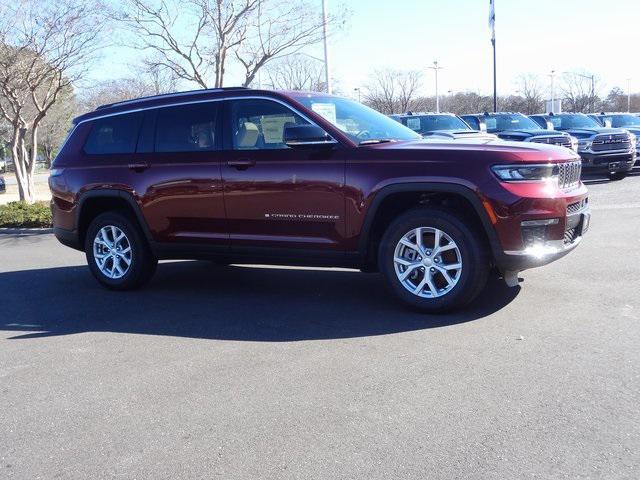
112 135
188 128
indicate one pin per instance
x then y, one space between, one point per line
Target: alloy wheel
112 252
427 262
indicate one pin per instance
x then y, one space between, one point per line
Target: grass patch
23 215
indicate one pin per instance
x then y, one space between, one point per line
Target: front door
276 196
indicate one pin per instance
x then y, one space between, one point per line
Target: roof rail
169 95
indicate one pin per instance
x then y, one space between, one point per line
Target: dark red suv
250 176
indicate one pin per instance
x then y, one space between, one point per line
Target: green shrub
23 215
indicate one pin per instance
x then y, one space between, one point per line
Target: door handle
241 163
138 167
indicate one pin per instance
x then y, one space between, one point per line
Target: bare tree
55 126
580 92
44 49
531 93
196 39
279 28
392 91
296 72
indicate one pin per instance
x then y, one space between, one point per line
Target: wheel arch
397 198
94 202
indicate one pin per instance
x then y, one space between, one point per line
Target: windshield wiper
373 141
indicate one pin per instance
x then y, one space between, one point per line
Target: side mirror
307 136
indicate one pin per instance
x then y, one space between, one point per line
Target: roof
416 114
142 103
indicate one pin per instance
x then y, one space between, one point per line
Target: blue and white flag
492 18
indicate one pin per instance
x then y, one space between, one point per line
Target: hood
523 151
458 134
589 132
521 135
634 130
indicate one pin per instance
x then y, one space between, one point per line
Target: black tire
143 262
617 175
472 248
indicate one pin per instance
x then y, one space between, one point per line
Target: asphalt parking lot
256 372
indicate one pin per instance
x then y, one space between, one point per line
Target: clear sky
533 36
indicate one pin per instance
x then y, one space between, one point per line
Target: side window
112 135
187 128
473 122
259 124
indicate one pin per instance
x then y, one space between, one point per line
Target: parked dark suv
612 150
250 176
517 127
445 126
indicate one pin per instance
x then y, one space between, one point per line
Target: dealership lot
263 372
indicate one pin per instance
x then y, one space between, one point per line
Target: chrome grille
605 143
562 141
569 174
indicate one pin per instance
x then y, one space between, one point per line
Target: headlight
584 145
525 173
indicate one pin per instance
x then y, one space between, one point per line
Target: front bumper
539 224
615 162
548 251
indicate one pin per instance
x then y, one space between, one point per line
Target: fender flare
431 187
119 194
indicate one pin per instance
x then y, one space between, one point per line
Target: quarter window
187 128
260 124
113 135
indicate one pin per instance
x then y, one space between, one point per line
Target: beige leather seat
247 136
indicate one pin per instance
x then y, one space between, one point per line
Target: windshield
359 123
431 123
566 122
625 121
516 121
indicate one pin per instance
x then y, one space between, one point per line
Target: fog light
540 223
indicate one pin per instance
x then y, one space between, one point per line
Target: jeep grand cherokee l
445 126
602 149
517 127
251 176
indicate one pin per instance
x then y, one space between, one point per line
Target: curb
25 231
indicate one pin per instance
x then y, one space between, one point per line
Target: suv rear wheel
117 254
432 260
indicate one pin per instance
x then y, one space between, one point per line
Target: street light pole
553 93
327 69
628 95
435 68
358 90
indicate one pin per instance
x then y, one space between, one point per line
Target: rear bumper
69 238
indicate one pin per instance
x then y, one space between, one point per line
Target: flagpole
495 87
492 24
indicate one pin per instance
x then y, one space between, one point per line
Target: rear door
179 176
275 196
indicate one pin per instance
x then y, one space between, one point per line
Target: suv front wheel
432 260
117 254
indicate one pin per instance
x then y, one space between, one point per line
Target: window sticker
273 127
326 111
413 124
